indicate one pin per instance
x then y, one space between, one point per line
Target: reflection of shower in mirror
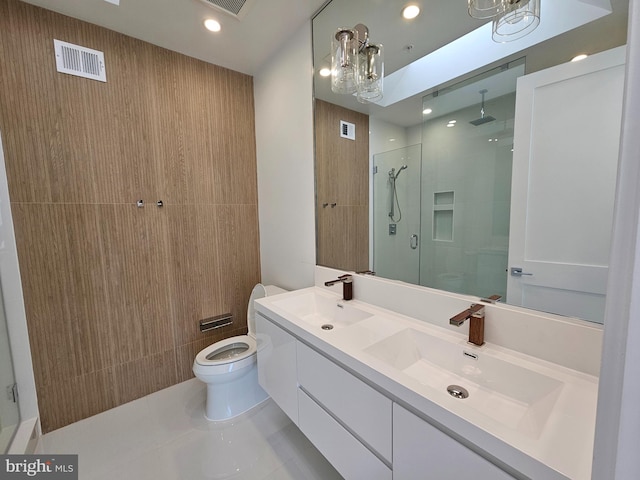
393 176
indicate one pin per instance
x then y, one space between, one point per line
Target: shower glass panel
396 214
467 143
9 413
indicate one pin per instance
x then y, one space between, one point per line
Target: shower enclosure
454 196
9 413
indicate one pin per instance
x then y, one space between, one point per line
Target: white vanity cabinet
420 450
347 420
277 372
362 432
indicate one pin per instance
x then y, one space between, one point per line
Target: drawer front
277 365
348 456
422 451
365 411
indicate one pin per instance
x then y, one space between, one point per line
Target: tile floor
165 436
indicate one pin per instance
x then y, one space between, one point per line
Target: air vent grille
80 61
347 130
235 8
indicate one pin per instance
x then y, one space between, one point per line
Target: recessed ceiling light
577 58
325 72
426 111
449 125
452 121
410 11
212 25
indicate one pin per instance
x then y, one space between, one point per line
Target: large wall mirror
435 184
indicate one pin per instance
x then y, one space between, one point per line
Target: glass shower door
396 213
9 413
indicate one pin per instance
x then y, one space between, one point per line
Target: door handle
413 241
517 272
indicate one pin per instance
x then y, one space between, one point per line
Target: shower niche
443 204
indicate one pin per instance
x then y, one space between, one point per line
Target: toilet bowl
229 368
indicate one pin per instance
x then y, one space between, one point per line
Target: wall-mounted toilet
229 368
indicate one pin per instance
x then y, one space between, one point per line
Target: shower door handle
413 241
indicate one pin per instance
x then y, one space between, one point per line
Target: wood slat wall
342 177
113 292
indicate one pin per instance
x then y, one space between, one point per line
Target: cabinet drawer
365 411
349 457
422 451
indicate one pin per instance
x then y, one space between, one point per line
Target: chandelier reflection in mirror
512 19
357 66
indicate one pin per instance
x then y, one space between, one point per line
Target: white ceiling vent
236 8
347 130
80 61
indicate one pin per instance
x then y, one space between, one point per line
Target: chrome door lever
517 272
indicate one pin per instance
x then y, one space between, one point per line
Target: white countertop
558 446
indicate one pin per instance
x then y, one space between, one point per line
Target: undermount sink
515 396
321 311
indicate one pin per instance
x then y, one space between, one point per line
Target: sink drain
457 391
327 326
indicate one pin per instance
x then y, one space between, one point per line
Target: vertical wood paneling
113 292
136 280
342 178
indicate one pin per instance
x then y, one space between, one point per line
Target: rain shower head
483 118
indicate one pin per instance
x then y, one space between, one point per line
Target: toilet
229 368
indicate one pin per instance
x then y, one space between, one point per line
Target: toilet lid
259 291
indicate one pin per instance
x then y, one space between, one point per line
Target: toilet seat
227 355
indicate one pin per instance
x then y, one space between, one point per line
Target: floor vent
236 8
80 61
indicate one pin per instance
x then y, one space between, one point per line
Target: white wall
618 422
283 92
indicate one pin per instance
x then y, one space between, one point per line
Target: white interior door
567 132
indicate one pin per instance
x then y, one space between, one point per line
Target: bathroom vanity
380 394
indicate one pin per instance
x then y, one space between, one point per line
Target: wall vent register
80 61
236 8
347 130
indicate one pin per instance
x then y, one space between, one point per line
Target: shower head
483 118
399 170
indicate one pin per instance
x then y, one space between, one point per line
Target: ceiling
242 45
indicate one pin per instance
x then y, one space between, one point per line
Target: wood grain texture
113 292
342 178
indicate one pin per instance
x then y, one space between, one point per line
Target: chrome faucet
347 285
476 325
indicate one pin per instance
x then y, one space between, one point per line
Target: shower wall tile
114 292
